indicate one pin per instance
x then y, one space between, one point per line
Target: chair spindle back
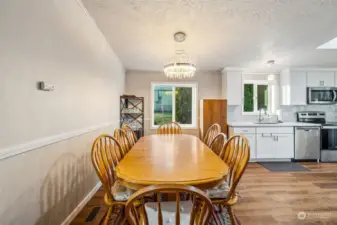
130 133
218 144
201 209
169 128
211 133
123 140
106 153
236 154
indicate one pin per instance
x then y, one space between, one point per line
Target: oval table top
178 159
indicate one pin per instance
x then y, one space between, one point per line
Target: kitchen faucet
261 118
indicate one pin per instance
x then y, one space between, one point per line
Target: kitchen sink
267 122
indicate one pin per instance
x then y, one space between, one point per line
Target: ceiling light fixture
271 62
180 66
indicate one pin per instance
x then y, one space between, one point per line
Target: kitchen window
255 96
174 102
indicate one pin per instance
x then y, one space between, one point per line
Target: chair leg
108 216
231 215
215 218
124 221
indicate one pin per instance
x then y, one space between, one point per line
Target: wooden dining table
171 159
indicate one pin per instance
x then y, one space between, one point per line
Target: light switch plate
43 86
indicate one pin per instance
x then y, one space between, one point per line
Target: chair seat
120 192
220 191
169 212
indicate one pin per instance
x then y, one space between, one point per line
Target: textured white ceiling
221 33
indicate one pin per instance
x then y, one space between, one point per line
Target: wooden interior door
214 111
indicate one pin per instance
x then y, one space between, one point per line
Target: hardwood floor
277 197
268 198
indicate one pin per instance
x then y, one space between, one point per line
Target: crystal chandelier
181 66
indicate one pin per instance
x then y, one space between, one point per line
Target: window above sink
255 96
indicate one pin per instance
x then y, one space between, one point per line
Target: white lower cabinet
275 146
284 146
252 144
265 146
250 134
268 142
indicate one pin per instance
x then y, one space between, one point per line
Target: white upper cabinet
232 87
293 87
320 78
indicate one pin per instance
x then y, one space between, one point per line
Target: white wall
57 42
139 83
53 41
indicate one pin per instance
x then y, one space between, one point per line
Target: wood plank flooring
278 197
269 198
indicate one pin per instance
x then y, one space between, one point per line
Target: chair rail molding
38 143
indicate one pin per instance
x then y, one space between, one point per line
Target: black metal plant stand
132 113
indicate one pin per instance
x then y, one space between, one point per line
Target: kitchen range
307 138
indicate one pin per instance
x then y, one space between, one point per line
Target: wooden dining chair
106 153
169 128
123 140
130 133
196 211
218 144
236 155
211 133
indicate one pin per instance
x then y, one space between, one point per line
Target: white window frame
194 87
255 83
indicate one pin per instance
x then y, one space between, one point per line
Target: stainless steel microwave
322 95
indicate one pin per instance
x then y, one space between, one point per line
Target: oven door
322 95
329 138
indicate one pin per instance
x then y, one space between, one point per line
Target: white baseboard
80 206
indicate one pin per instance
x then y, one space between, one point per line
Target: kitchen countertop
284 124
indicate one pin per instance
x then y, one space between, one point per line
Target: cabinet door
323 78
298 90
265 146
252 144
234 88
293 87
284 146
214 111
